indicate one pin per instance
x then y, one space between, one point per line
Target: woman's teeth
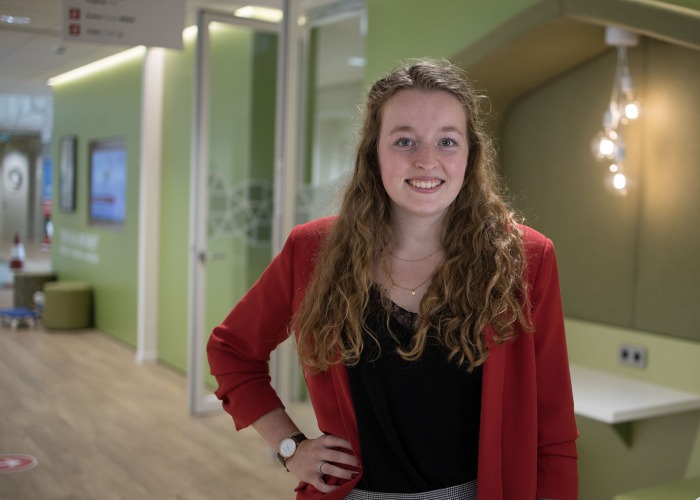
425 184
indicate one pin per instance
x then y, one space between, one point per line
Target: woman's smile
425 184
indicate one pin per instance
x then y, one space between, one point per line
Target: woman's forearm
274 426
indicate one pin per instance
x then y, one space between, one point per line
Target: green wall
402 29
101 106
628 265
173 272
628 261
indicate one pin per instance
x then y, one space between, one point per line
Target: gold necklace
415 260
394 285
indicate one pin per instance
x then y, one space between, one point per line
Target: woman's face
422 152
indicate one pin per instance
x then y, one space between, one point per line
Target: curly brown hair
481 279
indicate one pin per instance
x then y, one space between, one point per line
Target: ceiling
30 54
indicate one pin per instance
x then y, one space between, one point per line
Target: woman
428 322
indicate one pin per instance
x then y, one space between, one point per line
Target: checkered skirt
466 491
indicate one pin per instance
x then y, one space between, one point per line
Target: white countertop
615 399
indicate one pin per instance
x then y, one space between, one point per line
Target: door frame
201 400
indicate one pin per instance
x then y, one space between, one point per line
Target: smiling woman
424 314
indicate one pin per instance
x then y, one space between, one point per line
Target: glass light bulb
613 167
605 145
619 181
632 110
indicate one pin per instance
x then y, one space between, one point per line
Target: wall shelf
619 401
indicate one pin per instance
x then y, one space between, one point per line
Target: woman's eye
447 142
404 142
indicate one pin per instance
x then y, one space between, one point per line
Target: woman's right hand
317 458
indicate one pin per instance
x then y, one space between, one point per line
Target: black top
418 421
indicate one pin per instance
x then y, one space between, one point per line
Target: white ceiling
31 54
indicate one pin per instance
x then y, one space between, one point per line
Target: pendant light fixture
623 108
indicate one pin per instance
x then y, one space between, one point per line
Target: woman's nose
426 158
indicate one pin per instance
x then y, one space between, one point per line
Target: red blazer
527 444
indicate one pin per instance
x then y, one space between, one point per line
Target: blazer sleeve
557 432
239 348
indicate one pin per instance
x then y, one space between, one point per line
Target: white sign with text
154 23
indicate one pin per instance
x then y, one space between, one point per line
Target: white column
149 204
283 363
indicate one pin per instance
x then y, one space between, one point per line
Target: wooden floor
104 427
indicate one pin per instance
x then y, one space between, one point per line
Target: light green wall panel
174 283
668 286
101 106
402 29
560 188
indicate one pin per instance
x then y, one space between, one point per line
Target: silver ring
320 468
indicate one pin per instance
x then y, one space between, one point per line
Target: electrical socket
633 355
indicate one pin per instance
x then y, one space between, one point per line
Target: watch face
287 447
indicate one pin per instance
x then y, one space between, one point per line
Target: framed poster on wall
67 172
107 182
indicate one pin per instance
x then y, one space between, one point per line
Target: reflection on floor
104 427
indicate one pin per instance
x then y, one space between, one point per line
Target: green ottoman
67 305
26 284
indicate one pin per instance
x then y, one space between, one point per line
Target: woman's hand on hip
315 459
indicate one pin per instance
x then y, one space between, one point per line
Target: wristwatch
288 447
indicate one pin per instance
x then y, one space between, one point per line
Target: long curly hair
480 281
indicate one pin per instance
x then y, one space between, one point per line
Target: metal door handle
209 256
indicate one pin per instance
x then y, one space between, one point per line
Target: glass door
273 124
233 165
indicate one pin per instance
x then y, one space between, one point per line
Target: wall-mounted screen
108 182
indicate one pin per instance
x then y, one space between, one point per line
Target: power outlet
633 355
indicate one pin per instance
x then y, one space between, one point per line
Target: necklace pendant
413 292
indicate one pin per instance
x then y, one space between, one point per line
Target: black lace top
418 421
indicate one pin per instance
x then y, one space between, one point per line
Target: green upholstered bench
685 489
67 305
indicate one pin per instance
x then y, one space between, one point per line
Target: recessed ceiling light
94 67
14 19
260 13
